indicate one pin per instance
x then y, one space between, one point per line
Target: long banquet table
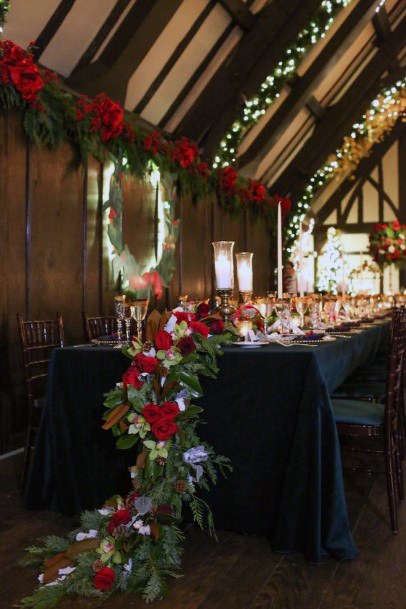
269 411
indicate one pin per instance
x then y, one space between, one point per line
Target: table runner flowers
133 543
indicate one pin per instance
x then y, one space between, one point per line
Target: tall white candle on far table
280 290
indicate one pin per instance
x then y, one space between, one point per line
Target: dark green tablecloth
269 411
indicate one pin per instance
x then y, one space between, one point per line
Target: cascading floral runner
133 543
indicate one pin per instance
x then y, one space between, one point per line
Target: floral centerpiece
387 243
133 543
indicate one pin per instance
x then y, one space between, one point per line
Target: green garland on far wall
4 8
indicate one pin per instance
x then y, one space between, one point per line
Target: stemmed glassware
282 309
119 307
139 310
127 320
301 305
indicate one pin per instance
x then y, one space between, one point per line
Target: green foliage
46 597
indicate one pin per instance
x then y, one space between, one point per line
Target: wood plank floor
239 572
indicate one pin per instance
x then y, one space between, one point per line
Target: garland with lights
377 121
270 89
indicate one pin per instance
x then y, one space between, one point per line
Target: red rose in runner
120 517
130 377
170 410
186 345
164 428
151 413
163 340
104 579
199 328
146 363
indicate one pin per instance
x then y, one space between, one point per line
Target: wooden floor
239 572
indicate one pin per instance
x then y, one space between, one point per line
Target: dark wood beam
240 13
102 34
302 87
363 170
172 60
339 118
186 89
315 107
131 42
253 59
54 23
381 24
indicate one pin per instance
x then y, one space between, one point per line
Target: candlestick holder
226 309
244 298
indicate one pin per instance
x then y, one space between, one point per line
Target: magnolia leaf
192 382
126 441
143 505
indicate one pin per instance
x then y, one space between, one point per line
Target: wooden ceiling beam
54 23
255 56
339 118
365 167
240 13
302 87
130 44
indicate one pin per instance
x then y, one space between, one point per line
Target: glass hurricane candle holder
244 274
224 271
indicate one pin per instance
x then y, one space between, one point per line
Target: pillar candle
280 290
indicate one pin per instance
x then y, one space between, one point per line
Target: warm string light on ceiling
379 119
4 8
270 89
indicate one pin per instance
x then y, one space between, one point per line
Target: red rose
216 326
120 517
146 363
164 428
199 328
104 579
186 345
163 340
27 79
151 413
170 410
396 225
184 316
203 309
131 377
227 180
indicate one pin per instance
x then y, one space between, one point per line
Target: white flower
381 251
41 578
391 249
66 570
90 535
128 566
402 236
141 528
119 385
170 324
181 403
106 511
150 353
403 247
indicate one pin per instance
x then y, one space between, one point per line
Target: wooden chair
98 326
37 340
357 419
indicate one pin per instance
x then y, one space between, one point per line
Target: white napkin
292 328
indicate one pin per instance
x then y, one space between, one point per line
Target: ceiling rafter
52 26
254 57
240 13
302 87
131 42
339 118
365 167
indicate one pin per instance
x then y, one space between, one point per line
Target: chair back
98 326
37 340
394 410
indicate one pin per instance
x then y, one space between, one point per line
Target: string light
4 8
270 89
384 111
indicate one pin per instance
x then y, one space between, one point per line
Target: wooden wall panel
258 243
92 301
12 272
56 277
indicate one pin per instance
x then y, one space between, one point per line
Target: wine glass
301 304
119 307
139 310
282 309
127 321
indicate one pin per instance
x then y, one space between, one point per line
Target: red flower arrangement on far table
387 243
